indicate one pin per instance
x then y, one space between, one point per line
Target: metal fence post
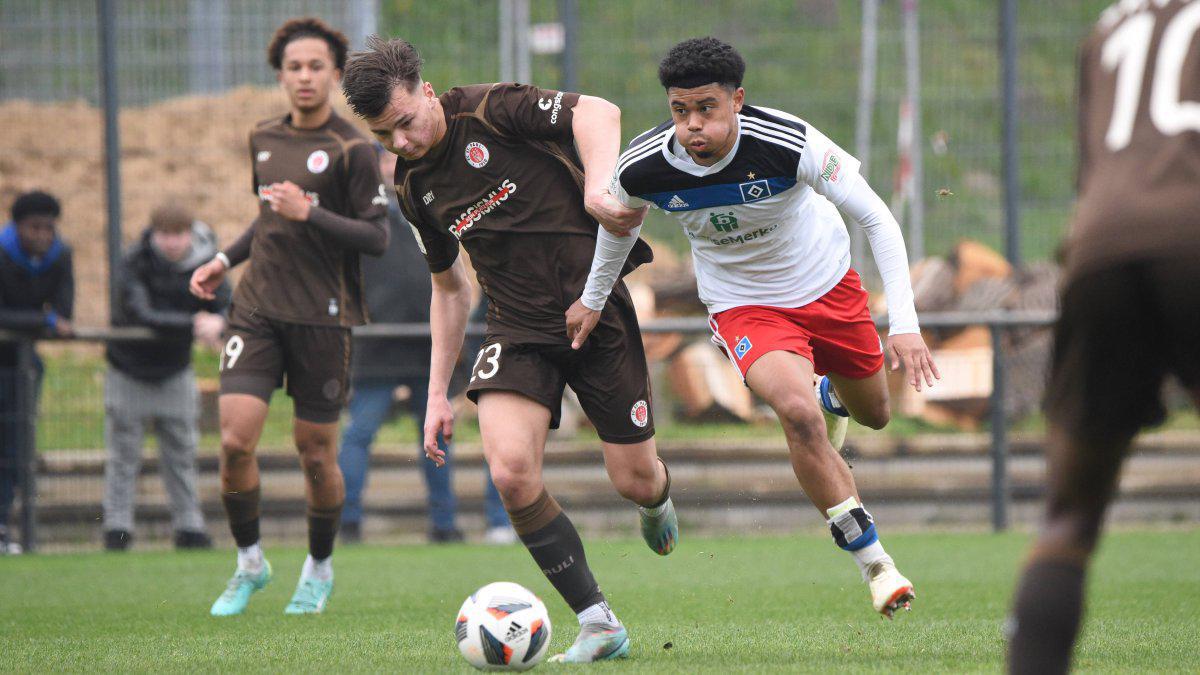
1009 157
25 385
865 113
106 13
912 85
999 433
568 14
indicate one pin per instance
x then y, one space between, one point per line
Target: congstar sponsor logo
482 207
554 106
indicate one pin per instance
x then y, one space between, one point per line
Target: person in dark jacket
37 298
152 382
398 289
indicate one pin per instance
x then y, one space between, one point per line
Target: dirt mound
193 149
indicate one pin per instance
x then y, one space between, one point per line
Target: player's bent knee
636 486
875 417
236 450
1071 532
515 481
801 419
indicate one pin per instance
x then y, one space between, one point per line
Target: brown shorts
260 353
1122 330
608 373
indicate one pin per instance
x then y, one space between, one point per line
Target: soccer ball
503 626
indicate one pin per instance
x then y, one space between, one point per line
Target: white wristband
223 258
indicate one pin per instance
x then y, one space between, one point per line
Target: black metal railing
998 323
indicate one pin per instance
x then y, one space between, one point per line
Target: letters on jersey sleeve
366 193
438 246
531 112
826 168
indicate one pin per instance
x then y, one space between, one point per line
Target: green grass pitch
722 605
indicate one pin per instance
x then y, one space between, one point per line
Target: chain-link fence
193 79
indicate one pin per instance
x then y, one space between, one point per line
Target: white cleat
889 589
835 429
835 424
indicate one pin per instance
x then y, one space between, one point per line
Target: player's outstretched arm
448 311
607 263
207 278
905 344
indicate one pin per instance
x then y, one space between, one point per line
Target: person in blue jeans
398 290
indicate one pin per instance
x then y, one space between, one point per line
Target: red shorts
835 332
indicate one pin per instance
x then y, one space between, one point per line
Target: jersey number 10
1126 51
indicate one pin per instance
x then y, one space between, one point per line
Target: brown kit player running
321 205
1130 306
517 175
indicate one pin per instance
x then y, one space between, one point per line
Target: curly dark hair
36 203
372 74
307 27
700 61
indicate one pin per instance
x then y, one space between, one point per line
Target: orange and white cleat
890 591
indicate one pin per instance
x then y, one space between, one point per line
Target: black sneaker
192 539
350 533
117 540
453 536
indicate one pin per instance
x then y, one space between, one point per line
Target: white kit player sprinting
758 192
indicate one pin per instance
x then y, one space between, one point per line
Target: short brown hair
171 217
372 74
307 27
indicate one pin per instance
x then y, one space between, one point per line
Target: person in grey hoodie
152 381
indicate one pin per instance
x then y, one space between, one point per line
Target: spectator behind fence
398 290
37 297
152 382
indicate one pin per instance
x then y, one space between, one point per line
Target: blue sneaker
310 597
661 532
241 586
596 642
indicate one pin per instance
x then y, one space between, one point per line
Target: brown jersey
1139 131
507 183
298 273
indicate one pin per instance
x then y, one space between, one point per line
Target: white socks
599 613
869 555
250 558
321 570
853 522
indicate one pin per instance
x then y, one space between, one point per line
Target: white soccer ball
503 626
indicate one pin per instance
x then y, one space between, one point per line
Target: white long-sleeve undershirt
865 207
861 205
611 252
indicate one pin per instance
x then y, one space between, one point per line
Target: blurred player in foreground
321 204
758 191
1130 298
517 174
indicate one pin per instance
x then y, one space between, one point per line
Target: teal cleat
310 597
596 642
661 532
241 586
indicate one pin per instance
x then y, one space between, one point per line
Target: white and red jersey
763 221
